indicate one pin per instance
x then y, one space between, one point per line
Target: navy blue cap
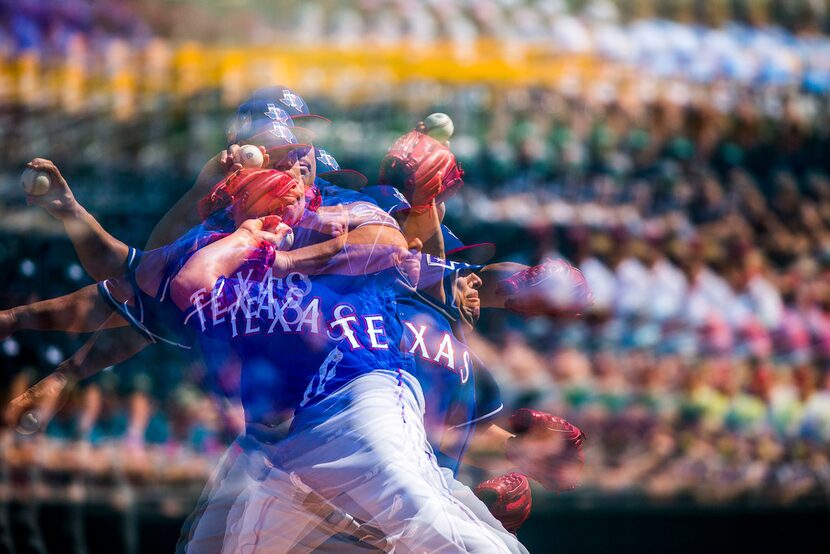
254 115
329 170
255 109
463 268
472 253
438 270
288 100
273 135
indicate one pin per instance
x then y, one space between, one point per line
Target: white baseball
251 156
29 423
35 183
288 239
439 126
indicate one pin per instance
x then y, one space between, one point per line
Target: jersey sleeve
156 318
488 395
134 256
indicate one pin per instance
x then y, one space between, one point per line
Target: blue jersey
443 366
302 337
157 318
448 372
458 389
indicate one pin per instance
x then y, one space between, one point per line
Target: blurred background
677 151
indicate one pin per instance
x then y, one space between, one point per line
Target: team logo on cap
292 100
276 114
399 195
328 160
282 132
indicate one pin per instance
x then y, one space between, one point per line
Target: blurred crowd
761 42
703 369
53 28
116 460
102 55
119 434
706 430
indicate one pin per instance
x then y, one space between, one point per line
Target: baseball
29 423
439 126
251 156
288 240
34 182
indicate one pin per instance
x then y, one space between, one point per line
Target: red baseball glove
508 499
252 192
554 288
546 448
425 168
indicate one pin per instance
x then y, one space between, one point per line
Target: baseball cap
253 114
329 170
278 139
471 253
438 270
288 100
